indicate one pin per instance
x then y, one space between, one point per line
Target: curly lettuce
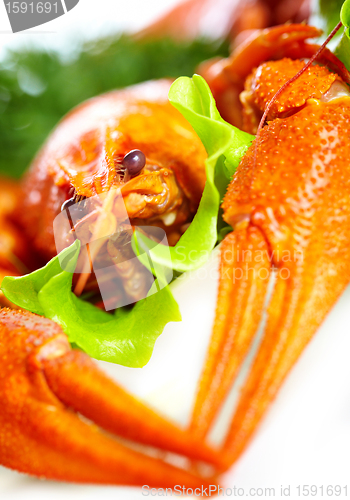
126 338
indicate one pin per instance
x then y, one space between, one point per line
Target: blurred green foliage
326 15
37 88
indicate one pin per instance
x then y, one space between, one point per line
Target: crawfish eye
134 161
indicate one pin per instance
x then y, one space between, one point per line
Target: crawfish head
89 153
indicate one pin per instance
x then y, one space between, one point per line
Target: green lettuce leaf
225 146
23 290
126 338
345 16
342 49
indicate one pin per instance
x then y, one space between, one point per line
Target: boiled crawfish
288 204
289 194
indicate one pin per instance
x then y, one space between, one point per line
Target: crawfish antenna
285 85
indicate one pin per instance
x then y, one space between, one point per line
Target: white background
305 438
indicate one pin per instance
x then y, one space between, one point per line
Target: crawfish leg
77 382
62 447
244 273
